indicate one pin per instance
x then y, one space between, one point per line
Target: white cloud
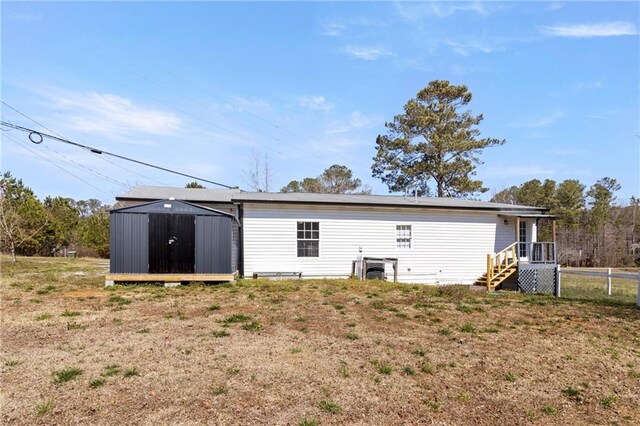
465 48
25 12
458 69
587 85
333 29
356 121
552 7
318 103
252 105
25 17
604 114
447 9
111 115
604 29
367 53
343 26
342 145
418 11
539 122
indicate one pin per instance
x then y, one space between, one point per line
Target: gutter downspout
241 241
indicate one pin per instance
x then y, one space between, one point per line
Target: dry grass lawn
307 352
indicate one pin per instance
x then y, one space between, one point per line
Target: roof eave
392 205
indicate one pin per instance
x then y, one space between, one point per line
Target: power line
89 169
40 135
16 140
30 119
70 160
58 134
105 158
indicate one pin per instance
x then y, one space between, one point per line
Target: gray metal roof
236 195
377 200
144 192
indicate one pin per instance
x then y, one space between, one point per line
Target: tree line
49 227
593 230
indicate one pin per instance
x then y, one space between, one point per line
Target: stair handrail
499 262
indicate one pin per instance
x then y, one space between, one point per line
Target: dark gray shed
172 237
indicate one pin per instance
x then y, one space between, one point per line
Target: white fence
608 275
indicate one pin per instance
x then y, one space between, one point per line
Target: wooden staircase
500 267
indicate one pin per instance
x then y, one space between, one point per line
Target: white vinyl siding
446 246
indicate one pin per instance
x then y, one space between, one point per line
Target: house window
308 239
403 236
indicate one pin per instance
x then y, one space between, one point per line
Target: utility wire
108 160
94 150
89 169
97 155
71 160
16 140
30 119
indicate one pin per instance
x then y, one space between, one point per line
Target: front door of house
522 240
171 243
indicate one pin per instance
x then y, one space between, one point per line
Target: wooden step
495 282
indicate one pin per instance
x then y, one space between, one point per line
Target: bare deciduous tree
22 216
259 176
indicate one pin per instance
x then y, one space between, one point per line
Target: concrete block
109 283
172 284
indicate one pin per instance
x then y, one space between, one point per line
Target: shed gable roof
173 207
145 192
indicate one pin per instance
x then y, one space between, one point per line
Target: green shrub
96 383
352 336
330 407
252 326
235 318
63 376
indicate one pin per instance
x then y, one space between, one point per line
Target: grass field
586 288
308 352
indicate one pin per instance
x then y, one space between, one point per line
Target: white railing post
558 280
608 281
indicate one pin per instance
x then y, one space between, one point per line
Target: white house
435 240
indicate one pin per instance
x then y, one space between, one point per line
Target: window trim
304 231
404 238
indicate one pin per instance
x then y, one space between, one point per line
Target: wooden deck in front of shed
111 279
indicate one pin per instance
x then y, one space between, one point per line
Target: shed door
171 243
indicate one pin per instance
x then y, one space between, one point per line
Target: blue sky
201 87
